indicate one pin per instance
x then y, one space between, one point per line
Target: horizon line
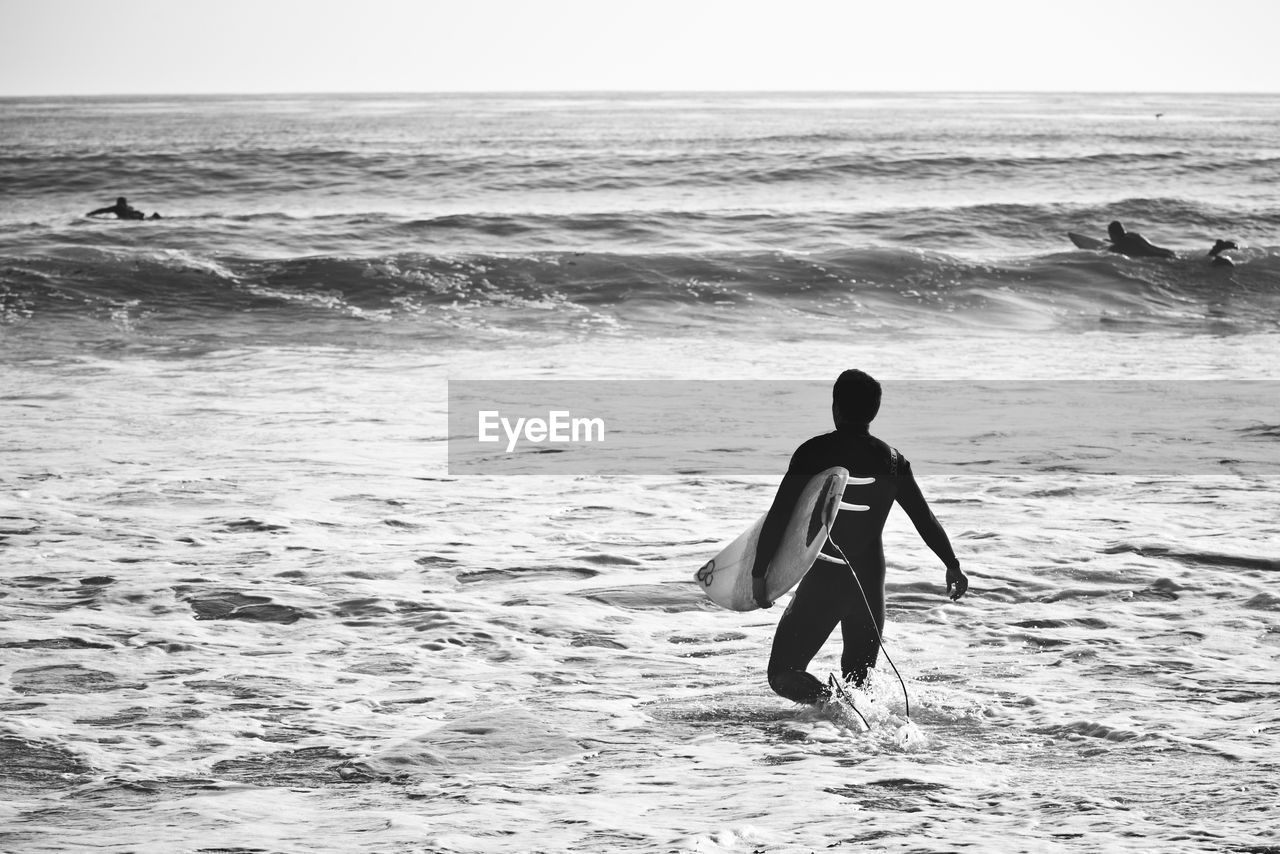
630 92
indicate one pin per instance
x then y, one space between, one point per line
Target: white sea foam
274 623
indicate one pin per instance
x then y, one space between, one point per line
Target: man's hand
956 579
758 592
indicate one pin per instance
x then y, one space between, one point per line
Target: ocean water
249 604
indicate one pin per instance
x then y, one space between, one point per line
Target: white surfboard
726 578
1085 242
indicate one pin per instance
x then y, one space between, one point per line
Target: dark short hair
857 395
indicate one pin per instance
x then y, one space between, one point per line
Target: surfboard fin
856 481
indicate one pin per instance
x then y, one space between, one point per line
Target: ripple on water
671 597
33 765
233 605
67 679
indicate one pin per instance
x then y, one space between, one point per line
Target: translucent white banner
655 427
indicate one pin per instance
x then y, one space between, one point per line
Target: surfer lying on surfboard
829 594
123 210
1134 245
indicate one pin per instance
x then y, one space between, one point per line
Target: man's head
855 399
122 202
1222 246
1116 231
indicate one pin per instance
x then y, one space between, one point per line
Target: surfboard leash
836 686
866 603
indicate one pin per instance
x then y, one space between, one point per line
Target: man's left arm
931 531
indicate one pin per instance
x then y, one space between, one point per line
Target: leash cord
867 604
837 690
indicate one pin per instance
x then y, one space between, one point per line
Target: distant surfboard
726 578
1085 242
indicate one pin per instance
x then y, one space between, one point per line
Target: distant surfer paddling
828 595
1216 256
1134 245
123 210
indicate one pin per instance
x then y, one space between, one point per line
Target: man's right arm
799 472
775 524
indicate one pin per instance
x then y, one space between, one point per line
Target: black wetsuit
828 595
122 212
1135 245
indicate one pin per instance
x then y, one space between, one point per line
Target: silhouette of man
828 594
1220 260
1134 245
123 210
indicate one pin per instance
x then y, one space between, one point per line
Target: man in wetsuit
123 210
1134 245
1216 257
828 594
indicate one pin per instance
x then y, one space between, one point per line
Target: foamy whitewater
247 606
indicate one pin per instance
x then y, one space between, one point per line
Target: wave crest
871 288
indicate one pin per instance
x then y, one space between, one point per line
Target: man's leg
861 636
813 613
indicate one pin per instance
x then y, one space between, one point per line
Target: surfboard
726 578
1085 242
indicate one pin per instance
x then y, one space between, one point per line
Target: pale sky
77 47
